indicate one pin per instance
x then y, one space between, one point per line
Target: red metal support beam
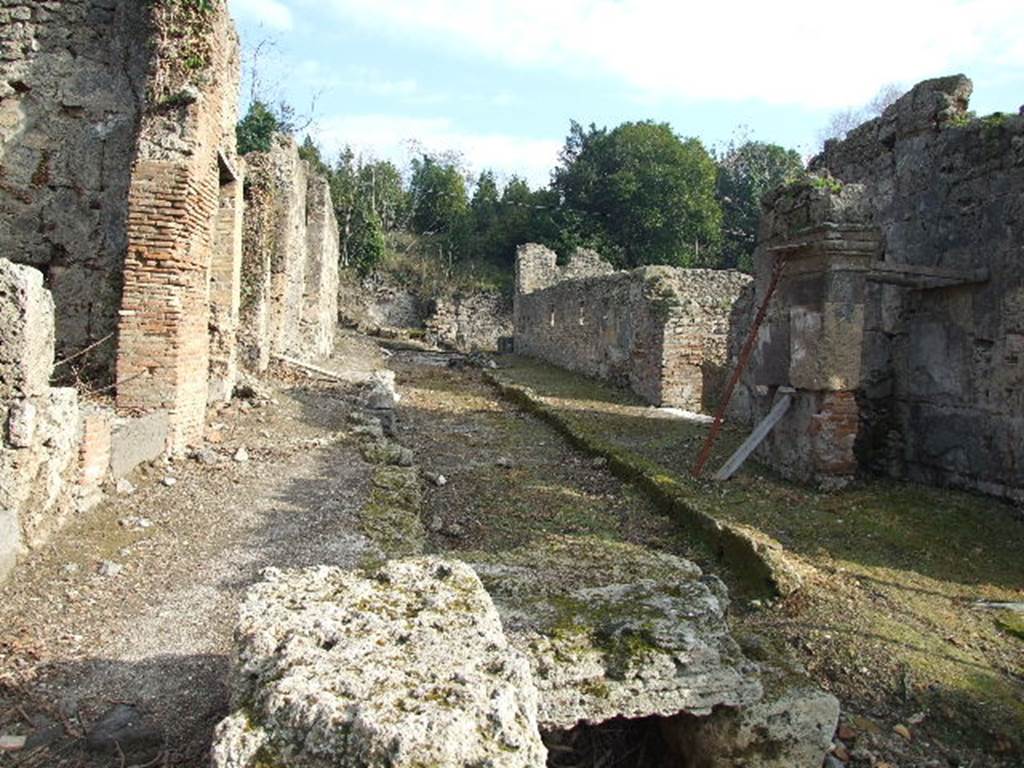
741 364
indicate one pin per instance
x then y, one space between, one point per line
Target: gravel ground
156 634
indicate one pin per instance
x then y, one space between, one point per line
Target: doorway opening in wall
618 743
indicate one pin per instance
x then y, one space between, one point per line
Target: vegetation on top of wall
826 182
184 47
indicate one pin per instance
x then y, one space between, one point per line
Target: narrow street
133 604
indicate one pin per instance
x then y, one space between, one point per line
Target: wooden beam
781 407
924 278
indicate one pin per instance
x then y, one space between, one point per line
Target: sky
500 82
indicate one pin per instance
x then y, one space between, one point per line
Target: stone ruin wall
121 198
71 96
937 392
466 320
290 250
49 440
476 321
378 301
661 331
320 297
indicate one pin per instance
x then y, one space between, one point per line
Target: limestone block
408 667
792 727
26 332
614 630
137 440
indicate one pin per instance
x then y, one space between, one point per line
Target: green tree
745 173
640 194
365 244
438 195
309 151
256 129
381 181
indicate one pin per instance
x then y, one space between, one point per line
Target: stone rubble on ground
405 667
381 393
125 487
241 455
9 743
109 568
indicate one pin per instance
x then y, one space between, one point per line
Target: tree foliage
745 173
640 194
256 129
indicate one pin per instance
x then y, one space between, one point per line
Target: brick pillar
163 344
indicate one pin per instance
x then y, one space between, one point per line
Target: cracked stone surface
616 630
406 667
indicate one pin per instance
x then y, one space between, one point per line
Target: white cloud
803 52
272 13
388 136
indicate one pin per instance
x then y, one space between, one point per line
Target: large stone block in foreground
406 667
616 630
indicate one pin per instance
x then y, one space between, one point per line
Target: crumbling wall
933 352
943 371
186 149
290 258
53 454
71 75
661 331
472 321
226 283
320 311
258 243
379 301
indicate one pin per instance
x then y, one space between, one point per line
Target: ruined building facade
122 208
899 319
661 331
290 258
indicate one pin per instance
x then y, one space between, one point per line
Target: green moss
826 182
391 516
1011 623
995 120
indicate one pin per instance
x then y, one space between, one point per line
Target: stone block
405 667
26 332
792 727
135 440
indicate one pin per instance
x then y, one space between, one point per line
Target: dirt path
157 634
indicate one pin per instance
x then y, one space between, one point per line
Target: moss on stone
391 516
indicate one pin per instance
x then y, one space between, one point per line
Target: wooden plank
731 467
309 368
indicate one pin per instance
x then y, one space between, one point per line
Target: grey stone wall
471 322
662 332
942 385
70 101
377 300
